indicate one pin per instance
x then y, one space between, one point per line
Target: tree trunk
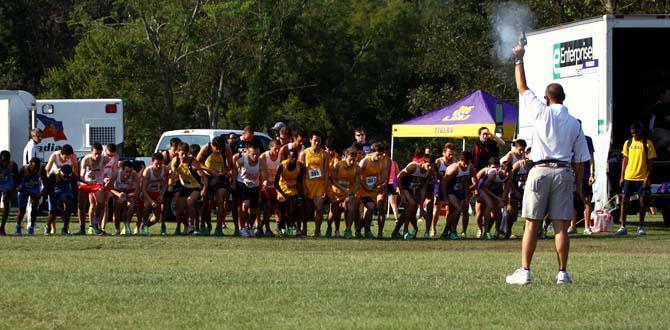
611 7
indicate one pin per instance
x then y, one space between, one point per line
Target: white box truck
76 122
611 67
81 122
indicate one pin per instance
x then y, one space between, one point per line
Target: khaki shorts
549 191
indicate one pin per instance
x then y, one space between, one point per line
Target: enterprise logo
570 57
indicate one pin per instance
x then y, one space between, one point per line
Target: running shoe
396 235
90 230
368 235
488 236
621 232
347 234
329 232
177 231
520 277
190 230
163 231
587 232
127 230
453 236
63 232
479 233
408 236
572 230
640 231
283 232
563 278
47 231
358 234
269 233
218 232
81 232
258 233
432 233
337 234
31 230
290 231
236 233
17 231
97 230
145 230
463 235
116 232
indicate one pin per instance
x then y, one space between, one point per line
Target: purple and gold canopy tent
462 119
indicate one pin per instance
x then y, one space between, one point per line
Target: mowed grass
207 282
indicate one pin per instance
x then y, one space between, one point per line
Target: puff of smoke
508 21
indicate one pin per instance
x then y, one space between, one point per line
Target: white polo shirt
556 134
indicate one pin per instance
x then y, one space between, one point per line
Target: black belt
553 163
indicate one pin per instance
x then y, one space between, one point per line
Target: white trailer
611 68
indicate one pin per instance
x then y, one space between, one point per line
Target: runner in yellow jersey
345 179
218 159
191 183
334 211
316 165
289 185
371 168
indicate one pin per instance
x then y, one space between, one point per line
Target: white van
202 137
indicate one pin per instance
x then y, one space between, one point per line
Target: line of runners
290 181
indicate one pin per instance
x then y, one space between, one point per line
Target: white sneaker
640 231
520 277
587 232
572 230
563 278
479 233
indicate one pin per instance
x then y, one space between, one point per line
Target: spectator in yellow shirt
639 155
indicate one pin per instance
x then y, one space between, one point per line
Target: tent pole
388 204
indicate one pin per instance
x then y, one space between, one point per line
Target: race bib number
154 186
370 180
314 173
344 184
90 176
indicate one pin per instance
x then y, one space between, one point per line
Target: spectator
659 124
361 138
30 151
587 189
487 146
639 154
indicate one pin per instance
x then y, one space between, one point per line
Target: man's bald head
555 93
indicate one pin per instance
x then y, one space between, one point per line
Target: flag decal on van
52 128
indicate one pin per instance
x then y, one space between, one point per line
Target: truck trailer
612 69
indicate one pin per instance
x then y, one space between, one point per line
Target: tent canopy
462 119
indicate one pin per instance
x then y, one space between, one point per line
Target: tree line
320 64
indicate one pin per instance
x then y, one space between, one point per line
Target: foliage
322 64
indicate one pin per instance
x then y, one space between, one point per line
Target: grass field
207 282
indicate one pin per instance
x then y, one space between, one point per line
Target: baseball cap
278 125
